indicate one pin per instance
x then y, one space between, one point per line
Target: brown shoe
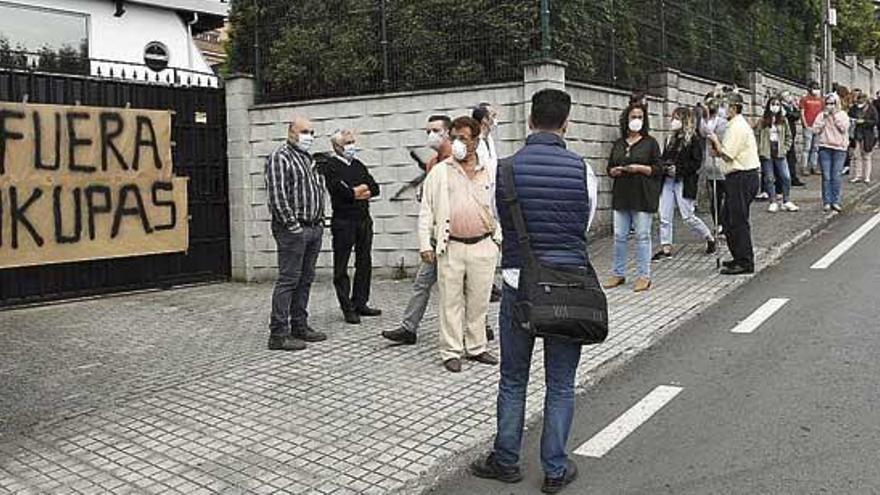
642 284
453 365
613 281
484 358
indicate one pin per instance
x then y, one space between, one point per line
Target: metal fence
307 49
377 46
620 42
74 63
199 131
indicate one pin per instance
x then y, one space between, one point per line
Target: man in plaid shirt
296 202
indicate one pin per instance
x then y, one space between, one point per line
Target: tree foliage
312 48
857 30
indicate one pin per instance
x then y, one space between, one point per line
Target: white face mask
774 108
305 142
459 150
435 139
349 151
635 125
722 112
675 125
816 92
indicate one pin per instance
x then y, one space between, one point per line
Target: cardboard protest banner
80 183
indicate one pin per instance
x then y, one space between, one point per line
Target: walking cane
715 208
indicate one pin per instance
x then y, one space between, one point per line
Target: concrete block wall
854 73
390 125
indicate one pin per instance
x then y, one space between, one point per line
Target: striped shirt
294 187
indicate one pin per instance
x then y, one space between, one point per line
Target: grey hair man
351 187
296 203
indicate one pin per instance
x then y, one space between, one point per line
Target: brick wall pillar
537 75
240 96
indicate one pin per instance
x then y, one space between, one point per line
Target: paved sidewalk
174 392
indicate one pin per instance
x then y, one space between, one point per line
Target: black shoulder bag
562 302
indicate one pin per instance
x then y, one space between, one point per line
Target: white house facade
147 40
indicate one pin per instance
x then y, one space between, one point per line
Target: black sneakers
352 317
401 336
489 469
286 344
737 270
368 311
309 335
555 485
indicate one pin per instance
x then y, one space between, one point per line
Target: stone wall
391 125
853 72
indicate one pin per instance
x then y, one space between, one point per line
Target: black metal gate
199 131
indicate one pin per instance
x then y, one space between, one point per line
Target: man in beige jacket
458 232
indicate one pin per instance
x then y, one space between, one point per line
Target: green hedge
315 48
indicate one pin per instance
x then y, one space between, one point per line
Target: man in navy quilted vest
557 194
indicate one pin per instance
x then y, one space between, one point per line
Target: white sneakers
826 208
762 195
787 206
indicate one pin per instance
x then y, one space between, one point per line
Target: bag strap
512 202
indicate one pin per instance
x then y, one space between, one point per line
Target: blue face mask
349 151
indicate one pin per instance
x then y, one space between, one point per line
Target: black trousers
791 158
356 234
740 190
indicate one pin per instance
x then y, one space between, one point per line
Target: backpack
564 302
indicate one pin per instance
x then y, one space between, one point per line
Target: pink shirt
469 202
833 132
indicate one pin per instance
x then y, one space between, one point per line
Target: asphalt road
791 408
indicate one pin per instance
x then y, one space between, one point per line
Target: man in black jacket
351 186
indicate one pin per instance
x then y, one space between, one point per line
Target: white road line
760 315
627 422
847 243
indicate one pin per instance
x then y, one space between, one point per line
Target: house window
44 38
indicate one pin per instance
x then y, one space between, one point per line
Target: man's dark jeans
297 256
561 360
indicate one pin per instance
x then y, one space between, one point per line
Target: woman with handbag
864 116
635 167
682 159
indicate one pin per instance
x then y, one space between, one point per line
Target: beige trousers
861 163
464 278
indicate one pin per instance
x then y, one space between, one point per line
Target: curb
457 464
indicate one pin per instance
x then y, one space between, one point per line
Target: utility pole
829 19
545 28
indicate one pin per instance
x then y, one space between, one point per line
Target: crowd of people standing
465 223
756 161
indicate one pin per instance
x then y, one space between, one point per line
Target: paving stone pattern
174 392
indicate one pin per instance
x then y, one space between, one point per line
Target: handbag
565 302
